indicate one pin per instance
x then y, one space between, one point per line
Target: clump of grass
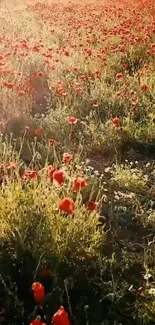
31 208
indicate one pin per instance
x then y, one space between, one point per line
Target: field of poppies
77 162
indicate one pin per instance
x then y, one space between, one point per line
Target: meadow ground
77 150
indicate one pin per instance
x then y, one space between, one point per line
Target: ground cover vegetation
77 150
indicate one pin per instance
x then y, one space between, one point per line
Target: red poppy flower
79 183
52 142
28 175
139 291
119 75
78 90
39 74
67 205
116 122
38 292
67 157
124 65
37 322
72 120
144 88
61 317
66 53
134 101
91 206
44 272
8 85
59 176
95 105
51 170
38 132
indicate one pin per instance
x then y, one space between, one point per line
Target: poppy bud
38 292
61 317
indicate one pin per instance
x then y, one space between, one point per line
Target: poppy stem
46 160
40 258
68 298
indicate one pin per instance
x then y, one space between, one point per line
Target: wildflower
72 120
28 175
66 53
44 272
8 85
39 74
37 322
78 90
152 291
144 88
67 157
91 206
59 176
67 205
116 122
89 52
119 75
124 65
134 101
95 105
79 183
121 48
61 317
153 48
2 310
119 93
38 292
139 291
51 170
37 132
52 142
